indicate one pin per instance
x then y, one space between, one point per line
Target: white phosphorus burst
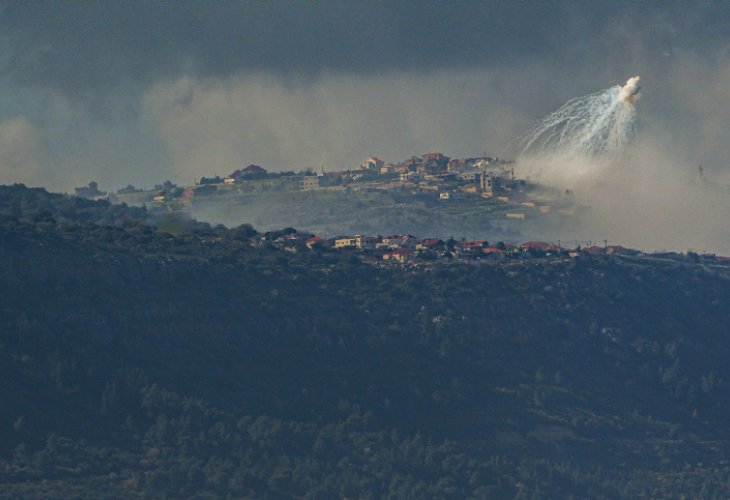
599 123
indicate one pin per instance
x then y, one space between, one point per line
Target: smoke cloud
652 195
216 125
649 199
22 154
629 93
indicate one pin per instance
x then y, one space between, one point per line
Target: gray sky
138 92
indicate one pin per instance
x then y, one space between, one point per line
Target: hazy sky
139 92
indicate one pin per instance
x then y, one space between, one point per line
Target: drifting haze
335 122
125 92
650 193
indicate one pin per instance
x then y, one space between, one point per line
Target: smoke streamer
593 125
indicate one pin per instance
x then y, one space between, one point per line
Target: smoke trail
599 123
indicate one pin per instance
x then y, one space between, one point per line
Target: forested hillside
137 362
366 211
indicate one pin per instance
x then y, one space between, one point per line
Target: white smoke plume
599 123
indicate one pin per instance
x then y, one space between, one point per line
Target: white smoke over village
599 123
174 103
578 141
625 185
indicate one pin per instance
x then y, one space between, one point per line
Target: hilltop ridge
426 194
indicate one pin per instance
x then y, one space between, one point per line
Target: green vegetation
138 363
333 212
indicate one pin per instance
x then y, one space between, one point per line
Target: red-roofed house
539 246
535 245
494 250
317 241
437 157
431 244
472 247
252 171
595 249
494 253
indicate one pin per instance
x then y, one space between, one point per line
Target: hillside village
444 179
408 250
431 174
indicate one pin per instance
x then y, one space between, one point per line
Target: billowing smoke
629 93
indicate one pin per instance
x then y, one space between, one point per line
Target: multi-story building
309 182
344 242
366 242
486 184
